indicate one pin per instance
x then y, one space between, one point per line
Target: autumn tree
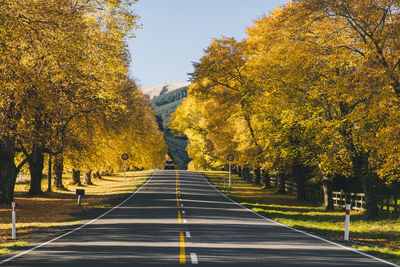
64 62
54 98
127 126
368 33
313 89
221 75
296 102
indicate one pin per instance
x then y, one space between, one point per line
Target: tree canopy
65 88
314 86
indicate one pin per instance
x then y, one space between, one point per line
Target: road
179 218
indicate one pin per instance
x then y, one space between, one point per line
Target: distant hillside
162 89
164 105
164 112
170 97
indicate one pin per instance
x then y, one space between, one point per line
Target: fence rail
385 203
357 200
389 204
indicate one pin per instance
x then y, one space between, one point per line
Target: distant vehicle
169 165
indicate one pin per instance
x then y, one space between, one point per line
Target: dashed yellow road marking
182 255
179 217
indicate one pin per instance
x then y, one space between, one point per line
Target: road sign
125 156
230 157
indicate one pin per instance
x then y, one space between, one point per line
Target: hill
162 89
170 97
164 105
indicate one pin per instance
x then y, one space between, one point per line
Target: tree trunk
266 179
327 187
36 165
239 171
249 175
281 183
8 171
234 170
58 168
97 175
257 178
361 171
299 173
49 175
87 178
76 177
371 206
246 173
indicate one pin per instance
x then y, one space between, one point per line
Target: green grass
101 206
379 237
10 246
383 252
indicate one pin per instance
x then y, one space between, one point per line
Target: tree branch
19 167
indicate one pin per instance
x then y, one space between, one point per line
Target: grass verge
379 237
51 211
10 246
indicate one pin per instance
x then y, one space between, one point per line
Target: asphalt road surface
179 218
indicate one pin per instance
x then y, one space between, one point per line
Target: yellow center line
179 217
182 256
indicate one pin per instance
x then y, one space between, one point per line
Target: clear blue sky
175 32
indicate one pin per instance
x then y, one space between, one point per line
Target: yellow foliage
315 83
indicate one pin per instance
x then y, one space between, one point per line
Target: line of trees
170 97
313 89
65 91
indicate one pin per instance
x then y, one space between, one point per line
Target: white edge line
193 257
297 230
76 229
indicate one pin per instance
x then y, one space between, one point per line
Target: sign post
124 171
230 185
347 223
125 157
14 228
230 158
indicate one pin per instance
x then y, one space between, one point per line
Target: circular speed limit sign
230 157
125 156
